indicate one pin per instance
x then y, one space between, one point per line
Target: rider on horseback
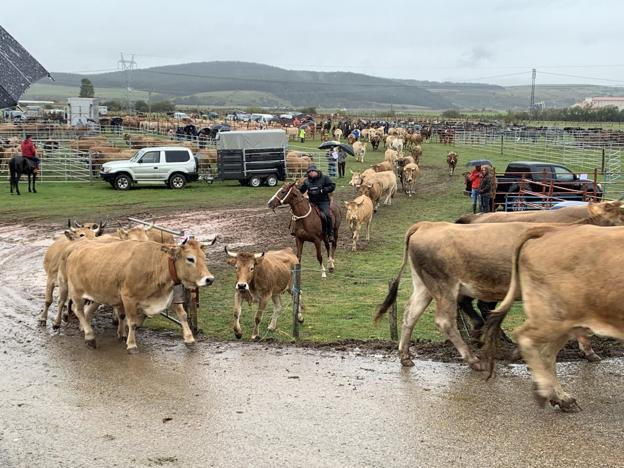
29 150
319 187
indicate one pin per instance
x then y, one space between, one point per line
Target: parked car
537 177
173 166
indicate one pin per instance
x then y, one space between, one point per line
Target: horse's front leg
299 248
33 183
319 256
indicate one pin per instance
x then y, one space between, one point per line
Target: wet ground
63 404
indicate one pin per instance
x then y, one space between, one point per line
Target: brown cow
359 212
260 277
137 275
383 166
416 153
373 191
562 275
446 265
358 178
410 173
451 160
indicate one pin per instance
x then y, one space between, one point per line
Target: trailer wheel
255 181
271 181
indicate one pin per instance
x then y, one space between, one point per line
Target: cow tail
492 329
394 285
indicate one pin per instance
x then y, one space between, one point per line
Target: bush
451 114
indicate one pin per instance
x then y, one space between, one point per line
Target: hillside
250 84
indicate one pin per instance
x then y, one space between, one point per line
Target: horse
306 223
451 160
19 165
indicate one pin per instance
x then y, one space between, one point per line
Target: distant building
599 102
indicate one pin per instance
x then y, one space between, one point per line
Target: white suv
172 165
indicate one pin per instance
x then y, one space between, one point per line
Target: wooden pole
392 320
296 296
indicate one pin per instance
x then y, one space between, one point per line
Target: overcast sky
485 41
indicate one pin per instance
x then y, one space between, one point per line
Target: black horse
19 165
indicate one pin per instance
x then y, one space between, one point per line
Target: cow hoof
134 350
91 343
42 322
407 362
593 357
255 338
300 318
568 405
478 366
539 399
190 344
238 335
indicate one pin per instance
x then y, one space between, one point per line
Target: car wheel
271 181
123 182
177 181
255 181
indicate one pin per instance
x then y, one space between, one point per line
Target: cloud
476 56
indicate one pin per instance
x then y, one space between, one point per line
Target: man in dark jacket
485 189
319 186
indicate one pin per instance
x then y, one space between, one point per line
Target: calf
451 160
410 173
359 212
374 141
359 148
260 277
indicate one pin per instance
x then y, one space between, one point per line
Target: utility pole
149 101
532 107
127 66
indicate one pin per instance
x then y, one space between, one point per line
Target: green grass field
338 308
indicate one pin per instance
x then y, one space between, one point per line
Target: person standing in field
485 189
475 181
29 150
302 135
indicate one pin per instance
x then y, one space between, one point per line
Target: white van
180 115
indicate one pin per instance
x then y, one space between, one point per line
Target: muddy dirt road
63 404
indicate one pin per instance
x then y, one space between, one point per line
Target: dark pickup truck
531 184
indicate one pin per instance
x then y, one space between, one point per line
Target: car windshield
136 156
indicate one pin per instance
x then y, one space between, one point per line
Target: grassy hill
251 84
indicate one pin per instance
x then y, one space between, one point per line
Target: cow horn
68 223
258 255
231 254
210 241
77 224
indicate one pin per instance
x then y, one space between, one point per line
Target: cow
373 191
357 178
391 155
447 264
260 277
359 212
374 141
388 182
53 257
397 144
410 173
568 214
451 160
555 272
338 134
382 166
416 153
359 148
136 275
351 138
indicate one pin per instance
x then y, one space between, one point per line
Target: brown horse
306 224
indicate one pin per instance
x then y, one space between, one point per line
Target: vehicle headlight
106 170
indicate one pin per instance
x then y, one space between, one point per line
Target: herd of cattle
560 263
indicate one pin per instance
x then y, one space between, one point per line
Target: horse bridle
283 200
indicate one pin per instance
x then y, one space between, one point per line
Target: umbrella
18 70
332 143
479 162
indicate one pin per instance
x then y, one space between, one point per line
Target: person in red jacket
475 181
29 150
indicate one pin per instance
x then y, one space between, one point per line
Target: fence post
602 168
392 319
502 140
90 168
296 298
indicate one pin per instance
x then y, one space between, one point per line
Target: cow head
607 213
245 264
97 228
352 209
189 260
136 233
410 173
356 179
